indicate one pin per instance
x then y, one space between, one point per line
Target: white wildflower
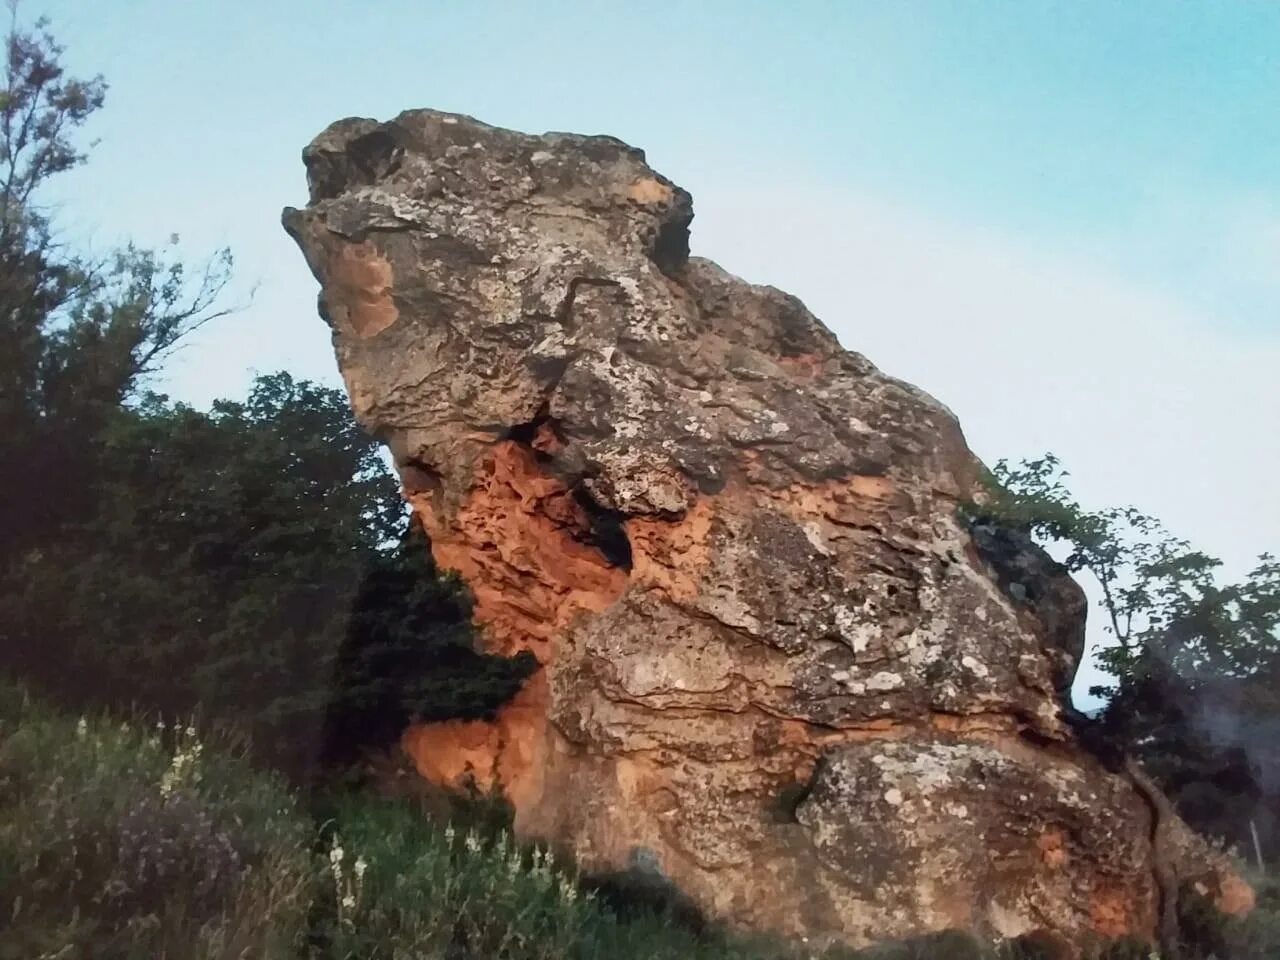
82 728
184 768
360 867
541 864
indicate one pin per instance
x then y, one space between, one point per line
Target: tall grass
119 841
126 840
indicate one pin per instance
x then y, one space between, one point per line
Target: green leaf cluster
1195 658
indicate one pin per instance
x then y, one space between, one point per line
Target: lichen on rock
774 660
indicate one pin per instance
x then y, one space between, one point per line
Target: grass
431 890
129 840
118 841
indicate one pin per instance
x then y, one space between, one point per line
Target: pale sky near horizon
1061 219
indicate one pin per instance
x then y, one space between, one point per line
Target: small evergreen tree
410 654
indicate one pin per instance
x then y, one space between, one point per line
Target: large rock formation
775 665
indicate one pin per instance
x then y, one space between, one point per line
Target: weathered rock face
775 665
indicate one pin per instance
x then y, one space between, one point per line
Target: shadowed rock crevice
541 434
601 526
364 158
607 531
734 551
670 250
1034 581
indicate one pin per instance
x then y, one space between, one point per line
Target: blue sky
1063 219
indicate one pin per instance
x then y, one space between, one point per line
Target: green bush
120 841
251 561
407 887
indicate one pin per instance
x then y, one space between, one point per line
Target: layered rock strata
775 664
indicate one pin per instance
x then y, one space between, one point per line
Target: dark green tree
410 654
249 562
178 560
77 332
213 561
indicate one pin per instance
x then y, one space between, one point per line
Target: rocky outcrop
775 665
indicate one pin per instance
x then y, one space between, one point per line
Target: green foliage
77 332
1255 936
410 653
212 563
40 107
489 898
248 562
1162 598
1196 660
125 840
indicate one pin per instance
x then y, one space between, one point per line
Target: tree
1196 661
77 333
174 559
410 655
250 563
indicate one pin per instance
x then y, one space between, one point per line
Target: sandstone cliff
776 667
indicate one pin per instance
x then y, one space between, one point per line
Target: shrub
168 843
119 841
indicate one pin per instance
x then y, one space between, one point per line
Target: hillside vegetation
127 839
212 617
130 840
123 840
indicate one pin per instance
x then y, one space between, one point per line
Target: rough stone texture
774 662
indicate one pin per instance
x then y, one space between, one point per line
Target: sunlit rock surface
775 664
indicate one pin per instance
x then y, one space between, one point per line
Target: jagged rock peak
776 667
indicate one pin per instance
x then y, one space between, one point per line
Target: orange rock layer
776 667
